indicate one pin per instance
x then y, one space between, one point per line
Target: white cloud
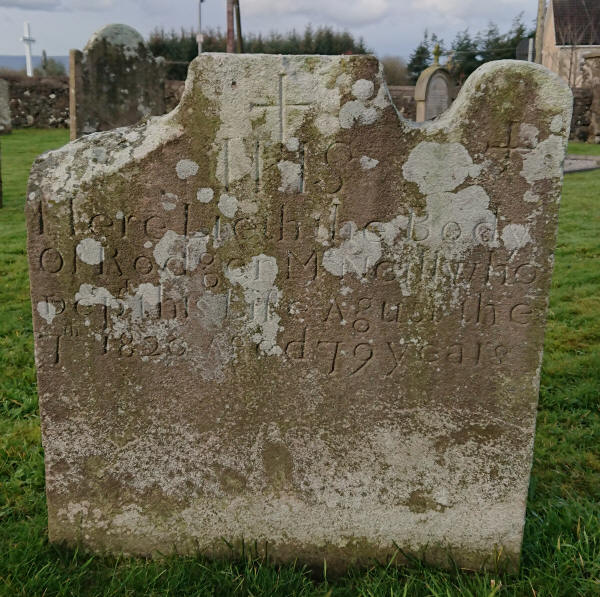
52 5
31 4
341 12
468 9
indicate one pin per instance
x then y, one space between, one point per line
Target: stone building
571 30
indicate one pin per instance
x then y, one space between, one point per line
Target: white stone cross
28 41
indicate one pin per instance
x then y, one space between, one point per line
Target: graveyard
275 321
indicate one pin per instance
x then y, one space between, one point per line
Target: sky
389 27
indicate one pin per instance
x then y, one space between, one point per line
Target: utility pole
230 34
238 27
199 38
539 34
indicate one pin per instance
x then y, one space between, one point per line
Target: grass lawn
578 148
561 551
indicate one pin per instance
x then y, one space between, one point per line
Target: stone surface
434 93
283 314
115 81
5 121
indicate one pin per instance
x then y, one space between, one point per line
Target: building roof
577 22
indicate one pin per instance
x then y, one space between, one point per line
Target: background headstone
5 122
434 93
591 73
115 81
283 314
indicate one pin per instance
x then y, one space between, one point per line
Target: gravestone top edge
117 34
554 94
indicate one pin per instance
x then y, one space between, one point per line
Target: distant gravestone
434 92
283 314
591 71
5 120
115 81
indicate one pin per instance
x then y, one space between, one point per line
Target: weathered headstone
283 314
115 81
5 120
434 92
591 73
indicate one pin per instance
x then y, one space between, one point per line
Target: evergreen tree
182 47
420 59
465 56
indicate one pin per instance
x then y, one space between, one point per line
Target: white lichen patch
89 295
257 280
228 205
439 167
90 251
528 134
515 236
187 251
357 254
47 311
327 124
460 220
530 197
168 206
545 161
290 176
186 169
363 89
292 144
559 124
355 111
367 163
205 195
63 171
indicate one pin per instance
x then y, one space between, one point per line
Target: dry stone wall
284 314
39 102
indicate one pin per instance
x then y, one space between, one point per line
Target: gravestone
283 314
591 73
434 92
5 120
115 81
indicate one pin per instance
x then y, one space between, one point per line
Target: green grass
561 551
578 148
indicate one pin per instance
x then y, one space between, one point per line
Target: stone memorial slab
5 120
434 92
115 81
283 314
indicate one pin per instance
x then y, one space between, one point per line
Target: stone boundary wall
43 102
403 97
40 102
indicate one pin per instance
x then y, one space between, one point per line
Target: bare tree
395 70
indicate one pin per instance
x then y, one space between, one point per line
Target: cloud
469 9
341 12
54 5
31 4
